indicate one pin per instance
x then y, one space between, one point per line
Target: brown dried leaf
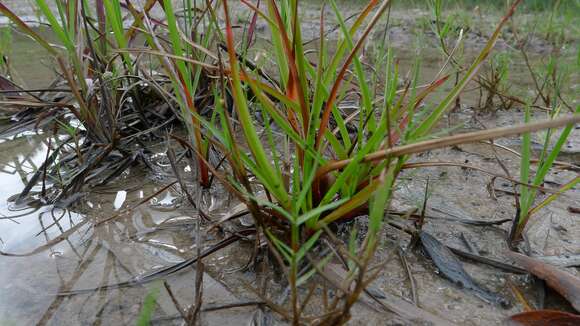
564 283
543 317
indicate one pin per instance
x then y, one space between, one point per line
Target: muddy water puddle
49 250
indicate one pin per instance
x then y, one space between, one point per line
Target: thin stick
469 137
401 254
174 300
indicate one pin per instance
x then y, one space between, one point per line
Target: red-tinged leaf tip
340 76
440 81
252 27
294 78
396 134
229 34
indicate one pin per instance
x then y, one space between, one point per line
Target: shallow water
153 235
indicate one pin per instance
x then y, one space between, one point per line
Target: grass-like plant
496 83
315 174
108 95
182 57
551 148
549 81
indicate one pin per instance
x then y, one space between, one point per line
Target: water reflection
47 250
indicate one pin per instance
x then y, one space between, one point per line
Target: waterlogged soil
165 230
47 250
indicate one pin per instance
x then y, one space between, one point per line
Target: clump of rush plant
551 146
495 83
444 30
183 57
549 81
298 173
107 112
